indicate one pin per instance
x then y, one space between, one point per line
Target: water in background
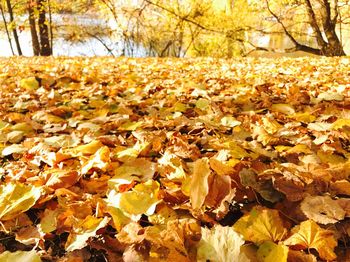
93 47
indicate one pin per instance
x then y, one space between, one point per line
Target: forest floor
105 159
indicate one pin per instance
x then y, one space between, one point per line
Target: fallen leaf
310 235
271 252
29 83
13 149
322 209
142 199
199 183
220 244
27 256
84 230
16 198
261 224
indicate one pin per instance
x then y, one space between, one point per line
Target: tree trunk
6 29
324 31
33 31
50 25
45 47
334 46
14 30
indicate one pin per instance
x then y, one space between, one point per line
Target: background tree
37 19
321 17
6 28
13 26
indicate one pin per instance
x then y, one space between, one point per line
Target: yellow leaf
132 152
15 136
283 108
220 244
271 252
48 222
260 225
142 199
271 125
330 158
130 126
199 183
202 104
300 148
236 151
303 117
340 123
29 83
27 256
24 127
17 198
162 215
179 107
310 235
119 219
83 231
282 148
88 149
99 160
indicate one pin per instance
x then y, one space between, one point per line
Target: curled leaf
199 183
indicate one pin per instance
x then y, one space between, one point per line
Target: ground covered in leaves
174 160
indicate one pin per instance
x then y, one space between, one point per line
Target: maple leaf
16 198
310 235
261 224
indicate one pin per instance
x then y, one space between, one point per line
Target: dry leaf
309 235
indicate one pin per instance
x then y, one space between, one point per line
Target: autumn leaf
29 83
220 244
142 199
13 149
322 209
138 169
83 230
310 235
16 198
271 252
88 149
27 256
99 160
261 224
199 183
